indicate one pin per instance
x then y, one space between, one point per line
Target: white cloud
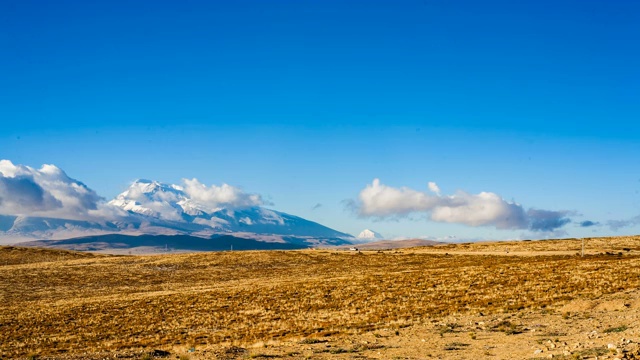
226 196
379 200
151 199
484 209
174 202
434 188
480 209
47 192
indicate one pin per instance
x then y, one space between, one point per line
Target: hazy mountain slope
160 242
160 203
153 208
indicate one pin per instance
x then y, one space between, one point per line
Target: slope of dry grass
14 255
83 305
602 245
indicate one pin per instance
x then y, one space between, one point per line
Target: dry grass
65 304
593 246
13 255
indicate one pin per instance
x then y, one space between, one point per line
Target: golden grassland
61 304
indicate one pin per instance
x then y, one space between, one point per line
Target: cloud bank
193 198
380 201
50 192
47 192
619 224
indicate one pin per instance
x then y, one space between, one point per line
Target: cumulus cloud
377 200
220 196
619 224
479 210
22 193
546 220
588 223
50 192
46 192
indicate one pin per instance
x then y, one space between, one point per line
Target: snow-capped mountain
368 235
151 207
45 204
173 204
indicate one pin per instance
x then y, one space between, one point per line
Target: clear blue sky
306 102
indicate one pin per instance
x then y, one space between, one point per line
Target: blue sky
307 102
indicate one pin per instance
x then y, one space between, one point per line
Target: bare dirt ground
508 300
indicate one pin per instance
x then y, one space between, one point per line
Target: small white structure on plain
353 249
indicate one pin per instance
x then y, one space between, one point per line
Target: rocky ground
519 300
607 328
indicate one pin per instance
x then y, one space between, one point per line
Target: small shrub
507 327
599 351
448 328
310 341
455 346
616 329
556 334
338 351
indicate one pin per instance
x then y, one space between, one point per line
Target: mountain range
154 208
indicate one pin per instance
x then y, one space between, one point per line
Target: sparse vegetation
448 328
60 302
508 327
597 351
312 341
455 346
616 329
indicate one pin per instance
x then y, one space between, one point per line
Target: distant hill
114 242
395 244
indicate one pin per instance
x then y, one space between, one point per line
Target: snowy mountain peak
149 186
220 208
367 234
45 203
151 198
